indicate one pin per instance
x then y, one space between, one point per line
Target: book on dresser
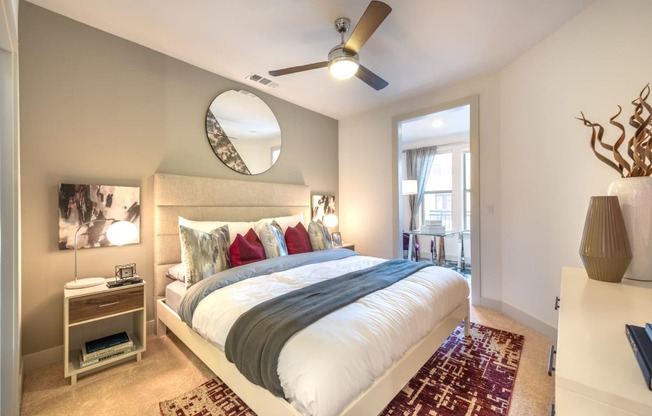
642 348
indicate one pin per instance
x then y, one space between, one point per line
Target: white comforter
325 366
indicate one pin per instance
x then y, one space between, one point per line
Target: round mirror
243 132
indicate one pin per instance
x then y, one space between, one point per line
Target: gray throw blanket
255 340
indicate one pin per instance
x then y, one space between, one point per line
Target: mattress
326 365
174 293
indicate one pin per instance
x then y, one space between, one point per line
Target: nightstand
98 311
347 246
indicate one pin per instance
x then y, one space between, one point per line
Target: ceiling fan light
343 67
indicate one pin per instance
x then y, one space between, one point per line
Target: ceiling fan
343 60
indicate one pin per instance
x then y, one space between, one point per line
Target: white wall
368 188
537 170
598 60
10 322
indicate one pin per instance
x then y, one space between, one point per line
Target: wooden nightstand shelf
98 311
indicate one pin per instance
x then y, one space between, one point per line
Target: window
467 190
276 152
438 197
447 195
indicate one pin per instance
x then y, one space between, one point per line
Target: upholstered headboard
205 199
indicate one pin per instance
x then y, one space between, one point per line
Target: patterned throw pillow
320 238
272 238
297 239
246 249
203 254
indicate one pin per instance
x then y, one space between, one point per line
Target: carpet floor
472 377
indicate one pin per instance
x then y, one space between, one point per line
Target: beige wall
99 109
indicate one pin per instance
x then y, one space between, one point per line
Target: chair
406 246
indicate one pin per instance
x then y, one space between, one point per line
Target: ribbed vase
635 197
605 249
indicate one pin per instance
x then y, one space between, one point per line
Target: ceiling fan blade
300 68
376 12
371 79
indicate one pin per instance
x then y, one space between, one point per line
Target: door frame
474 147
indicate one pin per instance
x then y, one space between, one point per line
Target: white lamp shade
330 220
121 232
409 187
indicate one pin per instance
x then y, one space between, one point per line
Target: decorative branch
638 147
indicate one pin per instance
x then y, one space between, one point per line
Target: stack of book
433 227
101 349
640 338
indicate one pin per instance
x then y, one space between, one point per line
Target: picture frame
82 203
321 206
337 239
125 271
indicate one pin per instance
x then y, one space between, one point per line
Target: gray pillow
204 254
320 238
271 236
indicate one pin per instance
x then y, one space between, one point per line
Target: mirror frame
234 119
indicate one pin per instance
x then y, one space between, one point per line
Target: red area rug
464 377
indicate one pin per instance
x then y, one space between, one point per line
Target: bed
205 199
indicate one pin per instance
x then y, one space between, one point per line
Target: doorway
438 149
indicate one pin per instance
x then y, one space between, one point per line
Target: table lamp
409 187
118 233
330 221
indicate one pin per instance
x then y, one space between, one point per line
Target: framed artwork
82 203
337 239
322 205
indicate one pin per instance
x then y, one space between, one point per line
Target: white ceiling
442 127
422 45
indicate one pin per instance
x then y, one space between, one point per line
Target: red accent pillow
297 239
247 249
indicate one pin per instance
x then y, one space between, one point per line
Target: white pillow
177 272
285 222
235 227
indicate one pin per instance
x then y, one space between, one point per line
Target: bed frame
231 200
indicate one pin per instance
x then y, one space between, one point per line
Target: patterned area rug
470 378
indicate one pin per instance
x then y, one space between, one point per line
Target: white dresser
596 371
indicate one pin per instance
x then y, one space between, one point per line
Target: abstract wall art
322 205
79 204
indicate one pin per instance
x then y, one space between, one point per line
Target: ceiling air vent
262 80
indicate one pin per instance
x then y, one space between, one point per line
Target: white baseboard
42 358
519 315
55 355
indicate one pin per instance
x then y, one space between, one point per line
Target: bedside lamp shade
118 233
331 221
605 249
122 232
409 187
